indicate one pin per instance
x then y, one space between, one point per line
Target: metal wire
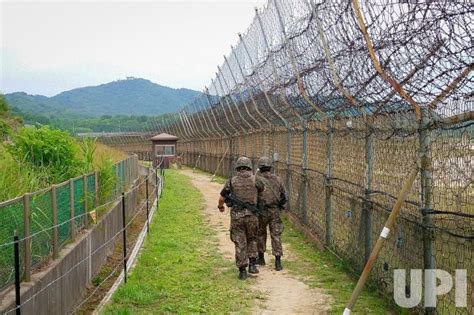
344 96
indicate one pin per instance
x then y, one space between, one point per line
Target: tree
3 104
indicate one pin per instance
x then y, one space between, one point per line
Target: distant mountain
132 96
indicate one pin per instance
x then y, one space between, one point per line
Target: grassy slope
180 269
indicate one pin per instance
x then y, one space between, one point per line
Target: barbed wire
350 93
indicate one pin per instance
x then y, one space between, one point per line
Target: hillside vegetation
36 157
132 96
107 123
8 122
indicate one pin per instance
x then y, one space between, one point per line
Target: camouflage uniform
243 222
273 198
271 215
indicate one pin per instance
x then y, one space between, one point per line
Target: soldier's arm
282 190
259 184
224 193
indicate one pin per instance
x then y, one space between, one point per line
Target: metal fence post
124 238
328 205
427 199
16 254
231 159
54 231
156 187
367 204
72 210
304 166
147 205
26 235
272 155
245 144
254 150
288 168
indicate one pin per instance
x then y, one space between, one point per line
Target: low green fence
47 220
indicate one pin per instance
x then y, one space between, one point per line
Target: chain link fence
346 97
47 220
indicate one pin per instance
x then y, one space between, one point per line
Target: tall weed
48 152
88 149
107 180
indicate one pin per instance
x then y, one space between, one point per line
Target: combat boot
253 265
278 265
242 273
261 259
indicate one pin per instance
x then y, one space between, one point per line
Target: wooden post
382 238
54 206
86 201
72 210
26 235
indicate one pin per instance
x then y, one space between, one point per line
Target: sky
50 47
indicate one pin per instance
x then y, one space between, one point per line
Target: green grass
321 269
180 269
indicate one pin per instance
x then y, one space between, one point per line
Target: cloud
47 47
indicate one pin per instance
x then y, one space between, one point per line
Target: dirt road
282 292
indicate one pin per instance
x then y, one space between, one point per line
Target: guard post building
164 148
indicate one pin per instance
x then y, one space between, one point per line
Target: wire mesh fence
47 220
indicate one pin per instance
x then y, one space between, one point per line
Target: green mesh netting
122 176
91 191
40 226
11 219
79 202
115 171
63 200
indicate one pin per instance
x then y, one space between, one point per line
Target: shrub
5 130
3 104
47 151
14 179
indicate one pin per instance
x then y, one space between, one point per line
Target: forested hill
132 96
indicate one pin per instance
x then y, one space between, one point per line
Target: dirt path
282 292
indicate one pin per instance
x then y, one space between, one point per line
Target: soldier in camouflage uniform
243 222
274 199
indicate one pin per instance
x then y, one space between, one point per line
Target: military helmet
243 162
264 161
